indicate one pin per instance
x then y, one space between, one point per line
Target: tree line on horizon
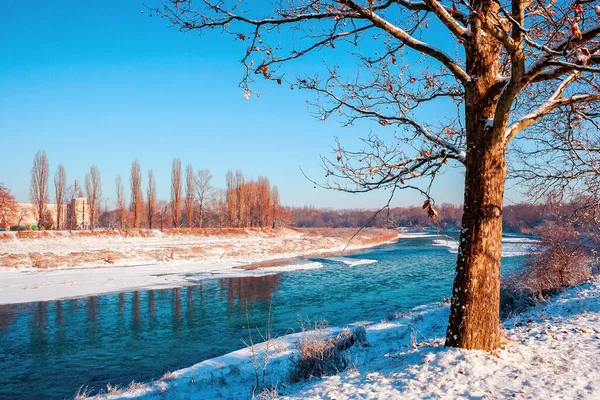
522 218
194 202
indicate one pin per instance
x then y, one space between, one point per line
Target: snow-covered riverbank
551 352
61 265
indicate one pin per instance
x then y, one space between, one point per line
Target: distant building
75 215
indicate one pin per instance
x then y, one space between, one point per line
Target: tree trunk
475 305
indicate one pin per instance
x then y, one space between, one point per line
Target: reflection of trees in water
248 290
8 314
152 305
41 315
136 310
121 303
38 327
190 304
176 302
59 313
92 310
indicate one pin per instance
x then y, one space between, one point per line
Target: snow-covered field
62 265
550 352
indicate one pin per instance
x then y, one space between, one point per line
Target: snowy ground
551 352
63 265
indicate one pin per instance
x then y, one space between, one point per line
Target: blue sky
98 82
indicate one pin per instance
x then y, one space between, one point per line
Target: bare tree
203 190
219 202
162 208
151 199
560 161
190 193
121 202
137 198
8 207
71 195
38 192
60 189
514 63
176 192
93 189
276 213
231 199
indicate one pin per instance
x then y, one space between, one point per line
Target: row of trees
521 218
194 202
39 193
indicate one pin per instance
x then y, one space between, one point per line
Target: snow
549 352
511 246
352 262
224 256
41 285
416 235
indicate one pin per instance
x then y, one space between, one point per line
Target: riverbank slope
50 265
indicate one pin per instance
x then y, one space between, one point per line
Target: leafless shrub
562 258
260 361
321 354
168 376
268 394
83 393
113 389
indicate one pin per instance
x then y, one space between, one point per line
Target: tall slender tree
176 192
276 211
190 193
137 198
121 202
231 199
93 189
497 66
241 194
60 190
203 190
38 191
151 199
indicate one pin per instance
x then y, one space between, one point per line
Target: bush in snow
321 354
562 258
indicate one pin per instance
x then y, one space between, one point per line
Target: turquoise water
49 349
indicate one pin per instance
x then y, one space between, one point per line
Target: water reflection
59 318
243 290
151 305
176 302
119 337
136 319
7 316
